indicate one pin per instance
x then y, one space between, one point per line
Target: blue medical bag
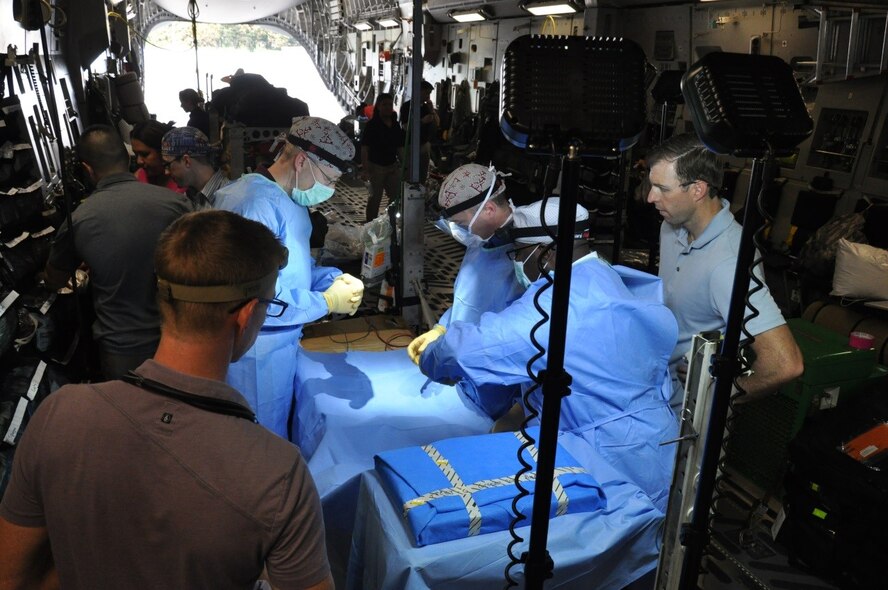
461 487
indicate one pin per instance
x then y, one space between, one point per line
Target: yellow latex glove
356 283
419 344
344 295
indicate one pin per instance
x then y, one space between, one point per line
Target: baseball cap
185 140
324 140
527 222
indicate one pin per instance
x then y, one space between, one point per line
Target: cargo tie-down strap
465 492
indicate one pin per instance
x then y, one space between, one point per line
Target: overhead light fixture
388 23
551 7
362 25
470 16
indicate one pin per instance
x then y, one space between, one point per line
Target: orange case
869 444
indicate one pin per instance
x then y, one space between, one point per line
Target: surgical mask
466 236
478 212
518 265
522 277
459 233
318 193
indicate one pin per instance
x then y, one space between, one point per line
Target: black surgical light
586 91
746 106
566 97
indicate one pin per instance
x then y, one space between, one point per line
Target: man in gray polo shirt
164 479
699 243
115 232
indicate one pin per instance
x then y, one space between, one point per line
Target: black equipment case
837 501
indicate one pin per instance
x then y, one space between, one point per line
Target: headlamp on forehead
216 293
335 161
477 199
533 235
219 293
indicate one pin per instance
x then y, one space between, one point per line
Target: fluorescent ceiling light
549 8
363 26
388 22
470 16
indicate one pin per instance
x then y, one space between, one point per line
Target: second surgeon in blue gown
619 338
474 207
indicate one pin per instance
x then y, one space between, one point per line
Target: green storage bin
761 430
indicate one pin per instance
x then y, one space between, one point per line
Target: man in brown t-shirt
164 479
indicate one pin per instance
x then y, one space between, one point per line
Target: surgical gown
265 374
619 338
485 283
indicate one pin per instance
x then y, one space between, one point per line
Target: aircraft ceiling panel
228 11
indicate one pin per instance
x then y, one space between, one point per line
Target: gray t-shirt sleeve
298 558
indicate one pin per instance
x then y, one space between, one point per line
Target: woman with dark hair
381 142
145 138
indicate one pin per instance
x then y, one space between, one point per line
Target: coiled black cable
745 352
531 413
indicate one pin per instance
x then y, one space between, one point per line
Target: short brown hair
211 248
693 160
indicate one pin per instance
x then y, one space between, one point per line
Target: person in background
227 79
699 244
315 154
186 490
146 138
429 123
619 337
381 142
115 231
190 161
192 103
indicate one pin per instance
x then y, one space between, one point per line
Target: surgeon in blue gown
619 339
475 208
314 156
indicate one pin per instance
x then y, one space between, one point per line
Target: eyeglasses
167 164
275 309
513 254
330 181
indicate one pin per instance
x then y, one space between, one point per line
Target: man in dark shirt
165 480
429 122
381 143
114 233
